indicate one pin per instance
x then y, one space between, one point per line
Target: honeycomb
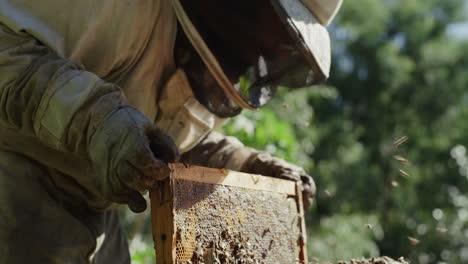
186 237
224 224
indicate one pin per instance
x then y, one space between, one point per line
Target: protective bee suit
92 106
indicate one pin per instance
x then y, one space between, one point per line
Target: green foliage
263 130
337 233
407 78
143 255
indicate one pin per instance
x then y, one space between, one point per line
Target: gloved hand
265 164
129 156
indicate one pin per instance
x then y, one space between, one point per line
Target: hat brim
310 35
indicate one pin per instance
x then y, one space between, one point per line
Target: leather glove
129 155
265 164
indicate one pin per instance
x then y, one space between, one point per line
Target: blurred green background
400 68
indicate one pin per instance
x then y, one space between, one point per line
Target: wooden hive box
204 215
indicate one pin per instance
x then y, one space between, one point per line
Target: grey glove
129 154
265 164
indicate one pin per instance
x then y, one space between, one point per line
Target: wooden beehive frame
162 207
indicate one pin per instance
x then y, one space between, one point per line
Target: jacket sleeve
219 151
50 106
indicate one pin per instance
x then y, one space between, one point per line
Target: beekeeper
96 97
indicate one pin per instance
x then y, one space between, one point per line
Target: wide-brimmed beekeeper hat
306 21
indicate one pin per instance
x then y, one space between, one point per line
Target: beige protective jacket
126 43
